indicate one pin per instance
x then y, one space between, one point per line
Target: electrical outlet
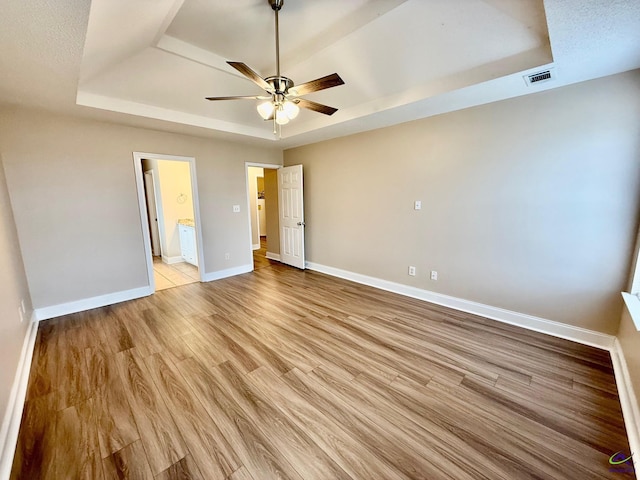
412 271
236 209
21 315
417 205
227 256
434 275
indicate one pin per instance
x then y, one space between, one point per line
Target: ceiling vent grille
540 77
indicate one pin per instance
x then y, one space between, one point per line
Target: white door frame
144 219
155 209
272 166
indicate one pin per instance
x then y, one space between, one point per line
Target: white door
291 203
152 212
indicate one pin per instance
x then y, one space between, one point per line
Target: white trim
137 163
628 402
229 272
255 246
172 260
156 252
633 305
271 166
13 413
542 325
273 256
144 218
90 303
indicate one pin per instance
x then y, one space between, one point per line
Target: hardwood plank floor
288 374
259 256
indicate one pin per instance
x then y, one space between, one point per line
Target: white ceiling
152 62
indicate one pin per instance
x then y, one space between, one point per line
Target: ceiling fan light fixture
291 109
265 109
283 103
281 116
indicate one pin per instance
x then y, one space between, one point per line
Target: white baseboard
273 256
542 325
172 260
255 246
90 303
13 414
229 272
628 402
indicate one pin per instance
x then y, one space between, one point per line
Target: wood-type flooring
289 374
260 259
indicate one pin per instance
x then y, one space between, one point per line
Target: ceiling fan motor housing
284 104
281 85
276 4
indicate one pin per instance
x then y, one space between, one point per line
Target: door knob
301 224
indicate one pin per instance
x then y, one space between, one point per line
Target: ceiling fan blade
251 75
323 83
316 107
246 97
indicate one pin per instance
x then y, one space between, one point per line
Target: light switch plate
417 205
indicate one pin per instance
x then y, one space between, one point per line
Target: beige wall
173 180
271 207
73 189
13 288
530 204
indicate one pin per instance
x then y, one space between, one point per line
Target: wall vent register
539 77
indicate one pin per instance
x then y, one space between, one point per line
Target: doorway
262 192
168 197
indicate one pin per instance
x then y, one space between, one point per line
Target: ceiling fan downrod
283 103
276 5
281 84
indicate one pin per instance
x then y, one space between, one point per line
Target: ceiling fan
283 102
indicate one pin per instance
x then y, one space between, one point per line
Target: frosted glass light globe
265 109
281 117
291 109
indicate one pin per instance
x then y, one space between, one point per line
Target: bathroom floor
168 276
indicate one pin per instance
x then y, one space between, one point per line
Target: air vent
540 77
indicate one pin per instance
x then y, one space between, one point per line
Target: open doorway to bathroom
262 190
169 210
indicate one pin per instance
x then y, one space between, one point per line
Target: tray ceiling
151 63
389 52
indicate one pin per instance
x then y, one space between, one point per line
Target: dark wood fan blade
251 75
323 83
253 97
316 107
